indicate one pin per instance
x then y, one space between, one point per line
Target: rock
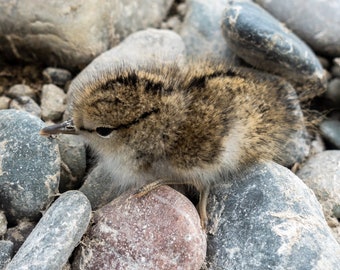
29 166
336 67
56 235
268 219
20 90
73 162
82 30
316 23
99 187
261 40
330 130
53 102
57 76
141 48
26 104
6 252
4 103
18 234
159 231
333 92
201 30
322 174
3 224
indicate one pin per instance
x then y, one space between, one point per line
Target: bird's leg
203 196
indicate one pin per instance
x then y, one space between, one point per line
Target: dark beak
66 127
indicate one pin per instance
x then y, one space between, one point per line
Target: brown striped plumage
183 125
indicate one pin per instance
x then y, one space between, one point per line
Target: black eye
104 131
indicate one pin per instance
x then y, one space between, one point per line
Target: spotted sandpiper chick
166 125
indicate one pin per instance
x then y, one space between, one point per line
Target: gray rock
56 235
18 234
201 31
6 253
29 166
333 92
57 76
330 130
3 224
316 23
141 48
322 174
158 231
53 102
31 31
73 162
4 103
268 219
26 104
261 40
336 67
99 187
20 90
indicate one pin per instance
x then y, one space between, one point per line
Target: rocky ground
58 207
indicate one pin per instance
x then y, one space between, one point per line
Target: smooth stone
99 187
316 23
321 173
201 31
20 90
57 76
18 234
158 231
330 130
3 224
333 92
29 166
151 46
73 161
336 67
53 102
26 104
4 103
31 31
56 235
267 218
262 41
6 253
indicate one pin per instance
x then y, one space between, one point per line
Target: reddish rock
158 231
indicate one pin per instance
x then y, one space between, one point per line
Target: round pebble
53 102
158 231
29 166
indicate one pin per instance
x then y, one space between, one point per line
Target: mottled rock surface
29 166
268 218
159 231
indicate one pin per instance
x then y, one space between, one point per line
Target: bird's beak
66 127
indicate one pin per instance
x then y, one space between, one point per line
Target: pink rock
158 231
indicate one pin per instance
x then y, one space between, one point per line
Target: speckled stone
3 223
56 235
159 231
29 166
267 218
6 252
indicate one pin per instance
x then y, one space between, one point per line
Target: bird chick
168 125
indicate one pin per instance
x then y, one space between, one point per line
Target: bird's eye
104 131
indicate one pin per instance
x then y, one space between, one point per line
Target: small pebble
4 102
57 76
20 90
53 102
336 67
56 235
330 130
158 231
26 104
333 92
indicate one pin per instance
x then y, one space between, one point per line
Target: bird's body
183 125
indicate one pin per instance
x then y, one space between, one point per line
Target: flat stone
56 235
53 102
322 174
73 161
29 166
6 253
201 31
57 76
31 31
262 41
330 130
267 218
158 231
316 23
20 90
27 104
